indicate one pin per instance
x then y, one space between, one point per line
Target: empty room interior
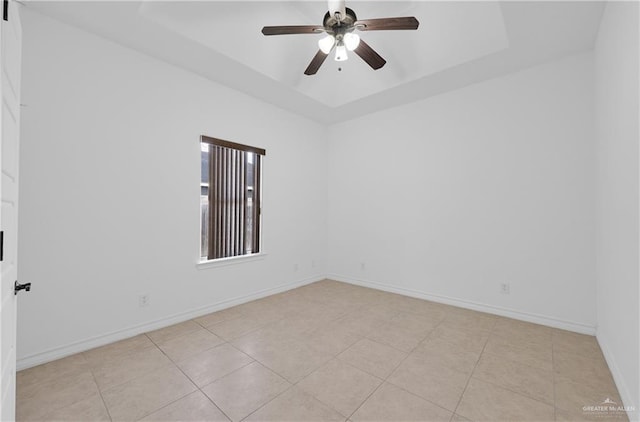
312 210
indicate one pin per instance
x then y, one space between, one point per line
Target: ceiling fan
339 24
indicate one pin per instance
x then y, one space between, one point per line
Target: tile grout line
512 390
269 401
335 357
321 365
162 407
474 369
528 365
506 388
189 378
292 385
147 372
427 400
396 386
89 370
254 361
100 393
516 392
245 333
177 335
394 369
235 370
348 364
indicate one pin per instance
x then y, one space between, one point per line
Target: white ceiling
457 43
471 30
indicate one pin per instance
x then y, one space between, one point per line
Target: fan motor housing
338 28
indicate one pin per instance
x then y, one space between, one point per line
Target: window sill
234 260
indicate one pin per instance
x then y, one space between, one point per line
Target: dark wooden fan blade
369 55
385 24
293 29
316 62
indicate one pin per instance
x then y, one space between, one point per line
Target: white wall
109 191
448 197
617 135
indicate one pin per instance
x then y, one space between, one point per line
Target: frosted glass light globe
326 44
351 41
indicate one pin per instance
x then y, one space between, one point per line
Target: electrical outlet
143 300
313 263
362 266
505 288
295 267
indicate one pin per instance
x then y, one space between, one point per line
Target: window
229 198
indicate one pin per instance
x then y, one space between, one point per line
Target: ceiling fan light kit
339 23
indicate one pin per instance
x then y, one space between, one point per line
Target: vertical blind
234 198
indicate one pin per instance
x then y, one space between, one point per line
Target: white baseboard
100 340
496 310
627 399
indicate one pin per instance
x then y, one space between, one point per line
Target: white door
10 49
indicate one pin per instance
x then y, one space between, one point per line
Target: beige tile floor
329 351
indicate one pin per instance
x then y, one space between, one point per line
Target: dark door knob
17 287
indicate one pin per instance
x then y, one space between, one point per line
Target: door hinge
5 10
1 246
